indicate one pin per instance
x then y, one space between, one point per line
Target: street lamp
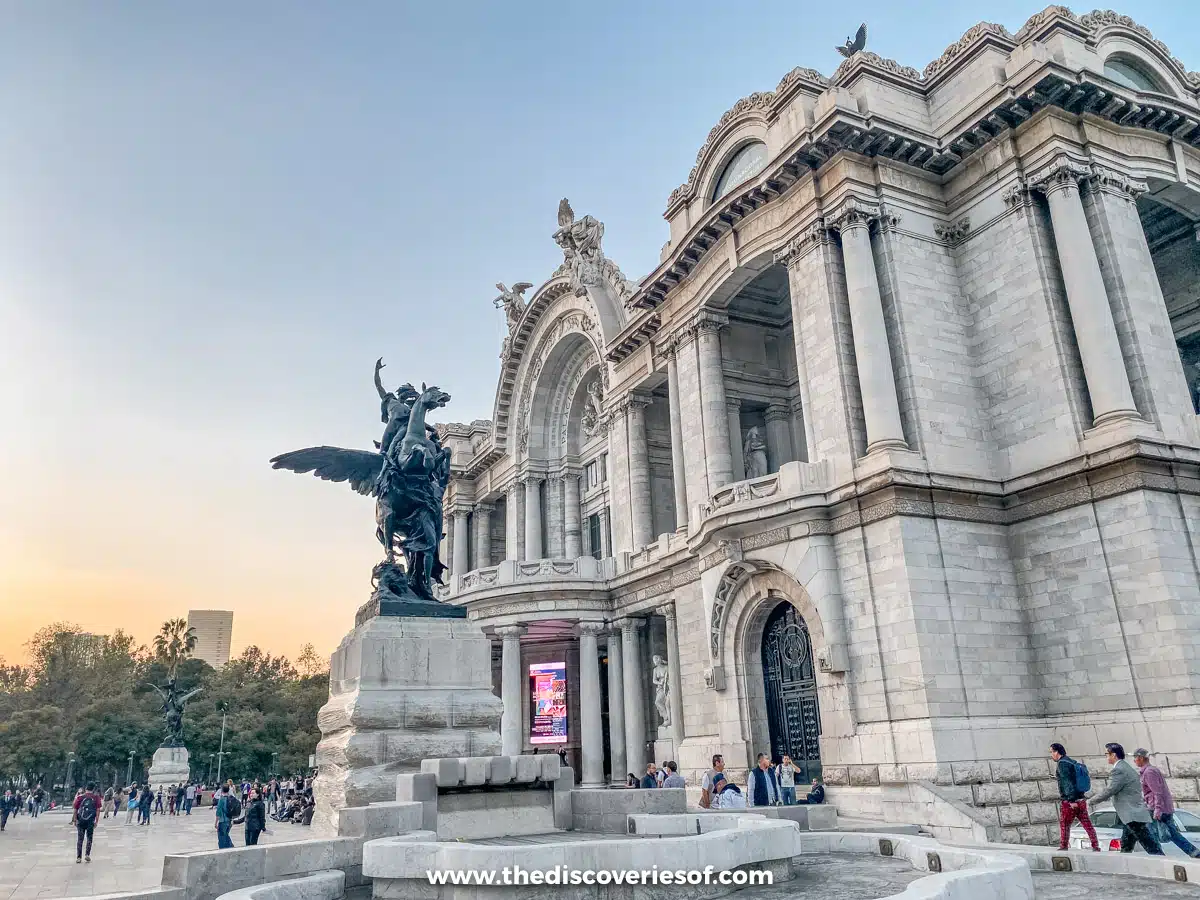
70 772
211 758
129 774
221 751
275 763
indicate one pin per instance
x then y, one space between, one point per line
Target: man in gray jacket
1125 789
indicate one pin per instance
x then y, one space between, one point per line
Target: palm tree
174 642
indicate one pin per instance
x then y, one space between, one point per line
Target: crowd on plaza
253 804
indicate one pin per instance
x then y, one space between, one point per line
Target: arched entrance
790 684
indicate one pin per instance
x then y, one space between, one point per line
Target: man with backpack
1074 782
86 809
228 809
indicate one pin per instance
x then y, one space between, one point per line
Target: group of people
282 801
32 802
1140 797
766 784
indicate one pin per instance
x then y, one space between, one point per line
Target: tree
174 642
34 744
309 664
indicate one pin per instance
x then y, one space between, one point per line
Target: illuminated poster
548 712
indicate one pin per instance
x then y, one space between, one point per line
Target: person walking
1072 797
786 773
38 797
108 796
8 805
180 793
158 804
706 786
764 784
131 804
189 798
1157 796
225 815
83 816
255 818
118 798
1125 789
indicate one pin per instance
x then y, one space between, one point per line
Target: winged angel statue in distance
407 476
856 44
172 710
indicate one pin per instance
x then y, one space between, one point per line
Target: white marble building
894 458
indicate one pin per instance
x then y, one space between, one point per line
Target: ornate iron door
791 687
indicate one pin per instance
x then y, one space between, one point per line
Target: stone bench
318 886
490 796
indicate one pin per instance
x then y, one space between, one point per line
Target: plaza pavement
37 856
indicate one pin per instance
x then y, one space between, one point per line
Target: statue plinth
393 596
170 766
401 689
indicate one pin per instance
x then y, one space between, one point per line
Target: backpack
1083 778
233 806
87 810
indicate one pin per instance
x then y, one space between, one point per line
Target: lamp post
70 772
275 763
129 773
221 751
211 758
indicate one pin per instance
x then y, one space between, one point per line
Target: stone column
483 535
873 357
446 543
675 684
574 529
779 438
737 458
462 544
616 708
620 509
1091 315
553 511
712 399
514 543
639 473
512 690
799 432
591 724
635 700
533 518
678 474
606 549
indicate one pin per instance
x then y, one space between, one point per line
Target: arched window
746 163
1130 75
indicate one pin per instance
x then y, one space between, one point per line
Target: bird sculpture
858 43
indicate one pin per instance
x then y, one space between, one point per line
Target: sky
215 216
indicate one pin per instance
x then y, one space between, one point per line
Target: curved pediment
526 342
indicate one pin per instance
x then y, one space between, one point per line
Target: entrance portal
791 692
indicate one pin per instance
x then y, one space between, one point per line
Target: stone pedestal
170 766
401 690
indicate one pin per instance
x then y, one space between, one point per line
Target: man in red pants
1072 799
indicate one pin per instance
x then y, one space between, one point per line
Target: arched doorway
790 683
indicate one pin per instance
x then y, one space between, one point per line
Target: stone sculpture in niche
662 690
593 409
754 451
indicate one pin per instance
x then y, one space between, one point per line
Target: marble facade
961 307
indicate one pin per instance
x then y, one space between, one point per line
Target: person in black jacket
8 805
255 817
1072 802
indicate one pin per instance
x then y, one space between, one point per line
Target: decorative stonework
802 244
865 59
973 34
856 213
1103 18
1112 182
1061 174
953 232
726 588
584 259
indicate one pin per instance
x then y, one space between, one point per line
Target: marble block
169 766
401 690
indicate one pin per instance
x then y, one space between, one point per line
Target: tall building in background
214 633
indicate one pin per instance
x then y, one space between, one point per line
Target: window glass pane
1129 75
748 162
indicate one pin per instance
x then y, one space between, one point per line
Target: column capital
1061 174
814 235
639 401
554 478
593 628
631 624
796 406
667 610
1110 181
778 411
485 508
508 632
461 512
854 212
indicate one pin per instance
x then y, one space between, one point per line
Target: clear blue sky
214 216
